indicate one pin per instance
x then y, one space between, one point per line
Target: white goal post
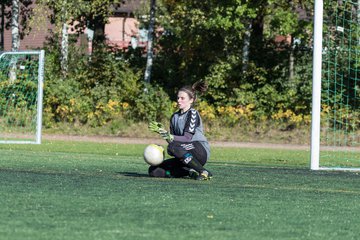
335 126
21 96
316 87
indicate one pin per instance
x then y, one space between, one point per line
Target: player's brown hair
192 90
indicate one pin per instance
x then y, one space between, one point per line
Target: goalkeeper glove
160 129
167 136
156 127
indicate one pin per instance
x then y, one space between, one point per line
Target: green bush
99 90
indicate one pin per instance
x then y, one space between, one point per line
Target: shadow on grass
69 174
133 174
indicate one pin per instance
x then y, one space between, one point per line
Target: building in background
121 32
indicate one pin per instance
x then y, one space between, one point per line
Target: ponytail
199 86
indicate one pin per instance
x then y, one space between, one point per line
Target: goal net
21 92
336 98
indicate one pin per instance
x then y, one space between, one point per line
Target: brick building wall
119 31
34 40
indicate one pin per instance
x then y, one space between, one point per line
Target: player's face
184 101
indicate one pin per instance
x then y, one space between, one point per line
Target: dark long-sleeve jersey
188 127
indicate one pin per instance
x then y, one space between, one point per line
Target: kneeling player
187 142
189 160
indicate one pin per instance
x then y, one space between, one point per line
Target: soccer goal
21 96
335 137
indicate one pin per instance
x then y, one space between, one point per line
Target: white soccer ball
154 154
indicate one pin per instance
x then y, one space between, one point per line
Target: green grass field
79 190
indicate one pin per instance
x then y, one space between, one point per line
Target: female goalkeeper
187 143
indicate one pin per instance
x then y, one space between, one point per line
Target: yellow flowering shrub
106 112
233 114
206 111
62 111
289 116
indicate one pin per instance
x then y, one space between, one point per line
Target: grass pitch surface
79 190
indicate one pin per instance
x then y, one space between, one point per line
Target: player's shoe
204 175
193 173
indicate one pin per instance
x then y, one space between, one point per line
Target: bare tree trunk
123 31
15 40
64 49
292 52
64 41
291 61
149 60
246 51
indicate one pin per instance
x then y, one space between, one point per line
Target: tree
14 16
218 40
149 59
94 15
82 13
15 37
79 14
64 40
198 36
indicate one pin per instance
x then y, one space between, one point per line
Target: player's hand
160 129
167 136
156 127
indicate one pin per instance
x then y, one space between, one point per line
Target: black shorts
179 149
